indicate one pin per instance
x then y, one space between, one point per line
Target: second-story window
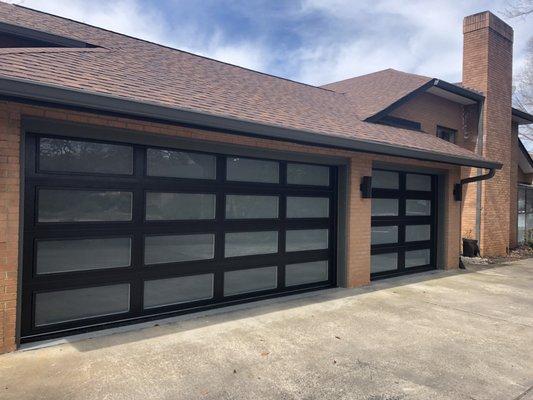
446 133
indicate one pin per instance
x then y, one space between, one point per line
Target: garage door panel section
115 232
404 215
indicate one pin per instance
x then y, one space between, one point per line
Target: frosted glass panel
90 157
521 227
383 262
164 292
250 170
415 233
384 234
84 205
418 182
305 174
249 207
54 256
307 239
180 164
307 207
416 258
299 274
179 206
74 304
250 280
417 207
384 207
385 180
178 248
250 243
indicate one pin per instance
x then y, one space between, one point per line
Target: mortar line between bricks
478 314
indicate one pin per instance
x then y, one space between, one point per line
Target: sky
310 41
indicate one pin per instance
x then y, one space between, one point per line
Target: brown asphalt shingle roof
372 93
133 69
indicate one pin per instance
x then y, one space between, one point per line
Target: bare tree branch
518 8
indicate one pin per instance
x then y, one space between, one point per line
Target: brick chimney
487 67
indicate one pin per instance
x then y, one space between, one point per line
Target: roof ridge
378 72
175 49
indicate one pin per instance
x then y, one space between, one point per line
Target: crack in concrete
521 396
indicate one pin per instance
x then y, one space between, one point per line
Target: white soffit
450 96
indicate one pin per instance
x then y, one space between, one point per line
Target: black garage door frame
136 274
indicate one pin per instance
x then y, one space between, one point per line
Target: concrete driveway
442 335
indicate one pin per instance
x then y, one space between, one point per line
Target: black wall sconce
366 187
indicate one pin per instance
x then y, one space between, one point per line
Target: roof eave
522 117
526 156
57 95
458 90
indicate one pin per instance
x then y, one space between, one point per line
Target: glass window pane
76 156
249 243
177 248
307 207
74 304
384 207
300 274
384 234
521 199
307 239
305 174
84 205
529 226
180 164
415 233
418 182
250 280
529 201
82 254
179 206
385 180
383 262
243 207
250 170
417 207
416 258
521 227
184 289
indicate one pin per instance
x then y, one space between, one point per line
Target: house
139 181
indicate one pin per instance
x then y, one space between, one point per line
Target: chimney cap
486 19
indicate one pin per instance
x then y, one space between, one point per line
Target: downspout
480 135
458 187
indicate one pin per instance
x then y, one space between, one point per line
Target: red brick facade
487 67
358 213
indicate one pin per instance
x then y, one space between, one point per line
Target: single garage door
118 232
404 218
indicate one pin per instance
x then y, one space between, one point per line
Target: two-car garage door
117 232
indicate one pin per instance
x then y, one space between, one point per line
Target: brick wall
487 67
430 110
9 225
358 226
